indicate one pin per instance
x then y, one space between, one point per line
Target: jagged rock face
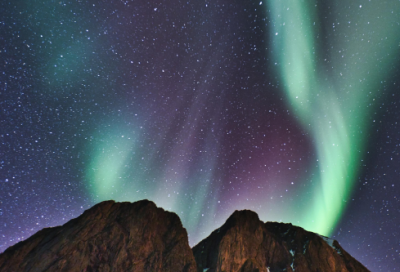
141 237
245 244
108 237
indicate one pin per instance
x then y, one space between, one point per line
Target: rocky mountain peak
108 237
140 237
246 244
243 218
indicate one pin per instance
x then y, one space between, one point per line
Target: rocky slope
245 244
141 237
108 237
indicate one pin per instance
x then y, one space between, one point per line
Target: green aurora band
333 98
116 148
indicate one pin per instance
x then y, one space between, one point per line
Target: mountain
246 244
108 237
141 237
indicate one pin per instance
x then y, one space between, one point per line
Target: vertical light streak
334 111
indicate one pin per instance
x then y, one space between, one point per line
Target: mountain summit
143 238
108 237
246 244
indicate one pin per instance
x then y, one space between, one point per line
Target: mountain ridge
139 236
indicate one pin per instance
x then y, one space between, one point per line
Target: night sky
288 108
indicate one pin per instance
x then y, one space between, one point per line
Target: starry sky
289 108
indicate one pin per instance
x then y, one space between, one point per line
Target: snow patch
338 251
305 246
328 240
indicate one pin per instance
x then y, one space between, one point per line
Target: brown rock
245 244
108 237
141 237
251 265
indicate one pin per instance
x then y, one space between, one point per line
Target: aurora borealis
326 107
288 108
